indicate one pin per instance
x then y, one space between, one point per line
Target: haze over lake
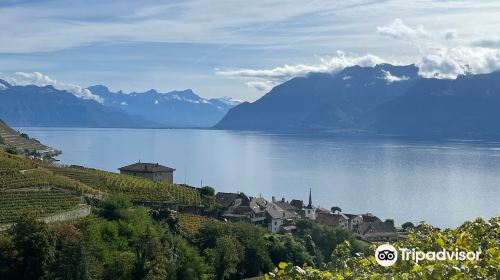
441 182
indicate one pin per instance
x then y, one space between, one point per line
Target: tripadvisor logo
387 255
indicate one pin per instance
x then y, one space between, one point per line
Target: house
292 211
333 219
370 218
277 218
299 204
153 171
258 206
230 201
378 231
354 221
274 218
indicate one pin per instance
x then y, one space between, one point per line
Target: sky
239 49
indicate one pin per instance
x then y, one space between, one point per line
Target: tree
287 248
1 140
336 209
11 150
470 236
256 259
36 247
115 207
72 260
147 250
407 225
186 263
8 257
121 266
225 257
207 191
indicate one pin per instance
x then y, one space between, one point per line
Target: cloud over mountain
39 79
448 63
263 79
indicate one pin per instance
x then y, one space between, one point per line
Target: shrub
11 150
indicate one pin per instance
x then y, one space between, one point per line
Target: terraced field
134 187
39 202
47 189
191 224
12 138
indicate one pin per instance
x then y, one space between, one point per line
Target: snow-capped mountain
32 105
172 109
35 99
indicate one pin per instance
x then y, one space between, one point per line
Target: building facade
152 171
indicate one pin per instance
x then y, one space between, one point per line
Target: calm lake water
443 183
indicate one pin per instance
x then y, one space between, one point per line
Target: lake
441 182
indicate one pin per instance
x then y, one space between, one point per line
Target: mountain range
30 105
384 99
172 109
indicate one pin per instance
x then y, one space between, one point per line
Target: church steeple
310 199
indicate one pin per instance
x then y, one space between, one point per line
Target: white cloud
399 30
389 78
448 63
439 62
39 79
263 86
264 79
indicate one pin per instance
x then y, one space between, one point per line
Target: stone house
378 231
333 219
153 171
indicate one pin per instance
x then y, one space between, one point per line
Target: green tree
408 225
8 257
11 150
207 191
147 249
115 207
120 266
256 259
36 247
185 261
287 248
225 257
72 260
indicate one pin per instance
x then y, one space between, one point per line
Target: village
280 215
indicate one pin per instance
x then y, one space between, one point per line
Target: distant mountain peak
42 80
178 108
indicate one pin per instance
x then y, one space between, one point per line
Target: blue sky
240 48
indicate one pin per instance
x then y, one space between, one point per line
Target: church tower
310 210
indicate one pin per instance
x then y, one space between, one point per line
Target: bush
11 150
115 207
207 191
471 236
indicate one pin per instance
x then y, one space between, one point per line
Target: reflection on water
443 183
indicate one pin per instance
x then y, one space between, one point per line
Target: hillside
46 106
384 99
11 138
28 186
467 106
322 101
